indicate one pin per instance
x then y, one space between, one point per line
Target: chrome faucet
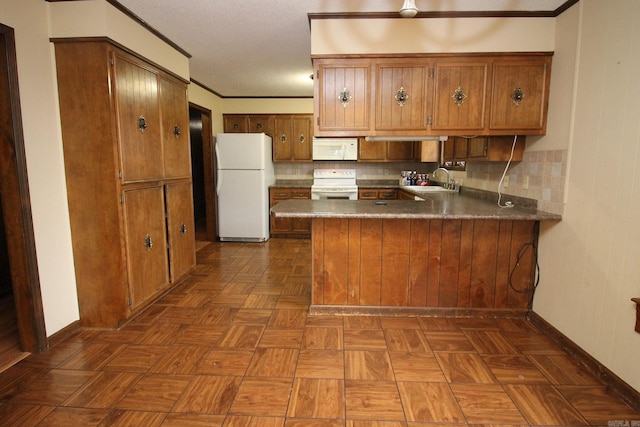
446 183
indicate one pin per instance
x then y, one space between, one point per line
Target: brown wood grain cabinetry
401 95
290 227
249 123
481 148
426 263
453 95
460 94
377 193
126 148
291 134
388 151
520 94
342 96
292 138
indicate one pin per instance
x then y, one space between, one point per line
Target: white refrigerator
244 174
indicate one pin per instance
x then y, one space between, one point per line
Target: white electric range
334 184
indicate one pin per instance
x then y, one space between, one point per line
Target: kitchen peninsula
451 254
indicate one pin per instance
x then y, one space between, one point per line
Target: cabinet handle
302 139
401 96
517 96
148 243
283 138
344 97
176 131
459 96
183 229
142 124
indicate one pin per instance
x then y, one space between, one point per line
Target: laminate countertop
445 205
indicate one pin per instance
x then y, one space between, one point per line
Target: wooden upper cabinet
401 96
292 138
484 148
342 98
260 123
453 95
520 94
138 112
236 123
175 129
302 133
460 89
387 151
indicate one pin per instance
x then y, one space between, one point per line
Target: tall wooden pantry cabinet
125 130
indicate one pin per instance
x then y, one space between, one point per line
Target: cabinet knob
183 229
302 138
344 97
517 96
142 123
176 131
459 96
259 126
148 243
401 96
283 138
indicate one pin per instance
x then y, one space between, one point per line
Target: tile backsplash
540 176
541 172
286 171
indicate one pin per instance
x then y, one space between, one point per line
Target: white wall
589 261
45 163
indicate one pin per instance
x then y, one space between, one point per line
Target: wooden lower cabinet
289 227
377 193
180 229
422 263
145 237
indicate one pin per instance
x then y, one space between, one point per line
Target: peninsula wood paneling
437 263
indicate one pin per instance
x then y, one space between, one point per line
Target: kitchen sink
427 189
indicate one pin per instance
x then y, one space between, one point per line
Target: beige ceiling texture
261 48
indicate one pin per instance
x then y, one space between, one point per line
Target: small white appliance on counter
245 172
335 148
334 184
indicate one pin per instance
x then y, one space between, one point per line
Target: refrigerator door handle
219 180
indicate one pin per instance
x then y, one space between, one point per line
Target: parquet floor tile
234 345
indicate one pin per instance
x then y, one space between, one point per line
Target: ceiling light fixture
409 9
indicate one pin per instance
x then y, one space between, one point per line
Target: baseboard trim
477 313
63 334
623 390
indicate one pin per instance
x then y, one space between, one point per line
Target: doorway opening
21 284
202 172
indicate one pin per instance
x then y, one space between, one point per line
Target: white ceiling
261 48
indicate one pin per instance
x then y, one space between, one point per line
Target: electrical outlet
505 181
525 182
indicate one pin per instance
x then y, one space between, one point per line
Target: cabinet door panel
181 229
235 123
401 102
283 140
519 95
354 114
372 150
175 129
138 121
301 133
401 150
260 124
145 232
460 96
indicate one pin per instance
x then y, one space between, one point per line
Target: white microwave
335 148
